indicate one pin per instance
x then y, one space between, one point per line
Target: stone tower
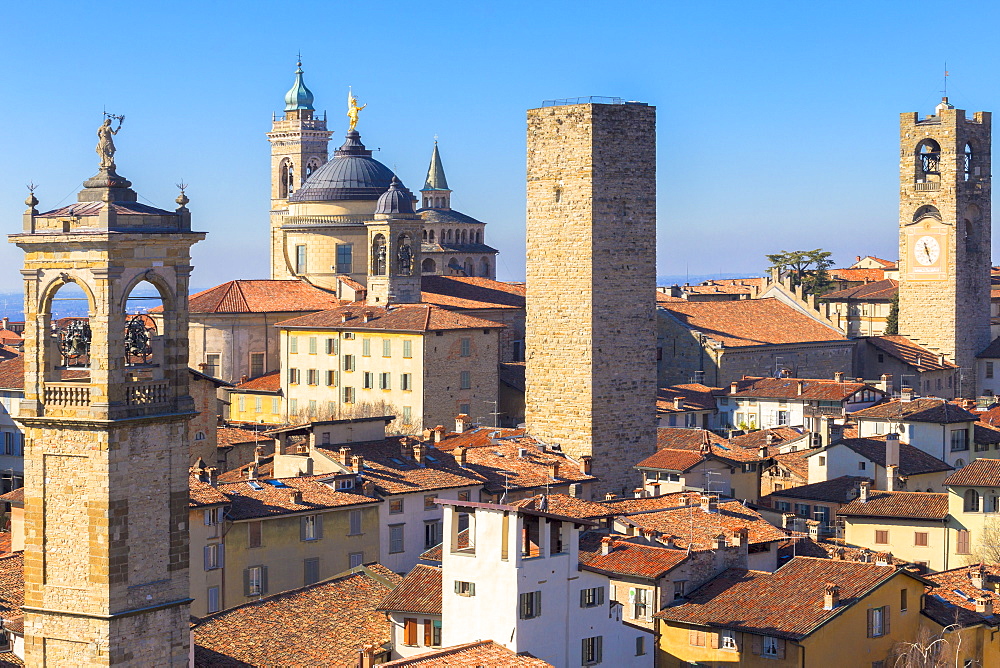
299 142
394 248
945 233
590 331
435 194
105 415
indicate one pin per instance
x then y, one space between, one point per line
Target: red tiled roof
912 461
837 490
419 592
10 338
633 560
12 590
470 292
260 296
877 291
953 600
795 462
627 506
269 382
12 373
478 437
679 438
666 459
248 503
324 624
909 352
977 473
750 322
227 436
755 439
481 654
405 317
692 526
694 397
912 505
787 603
204 494
14 496
812 389
850 274
563 504
924 409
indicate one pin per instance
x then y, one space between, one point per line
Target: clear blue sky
777 120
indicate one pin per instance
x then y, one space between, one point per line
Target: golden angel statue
353 108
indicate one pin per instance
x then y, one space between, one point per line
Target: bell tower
105 415
394 248
299 142
945 235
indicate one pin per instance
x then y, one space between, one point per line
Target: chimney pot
831 596
709 503
678 403
357 463
733 387
585 465
906 394
799 387
610 496
461 423
427 434
554 469
863 497
345 316
762 453
890 477
984 605
418 452
461 455
345 456
839 376
607 545
978 575
438 433
295 496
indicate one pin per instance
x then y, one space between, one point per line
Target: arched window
451 236
925 211
199 436
291 178
484 268
140 329
425 235
971 501
928 159
454 268
430 236
378 260
464 237
967 165
469 267
283 179
479 237
311 167
428 266
404 256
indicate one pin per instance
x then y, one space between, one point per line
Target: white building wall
11 441
413 518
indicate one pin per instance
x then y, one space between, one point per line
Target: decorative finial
31 201
182 199
105 144
353 109
435 138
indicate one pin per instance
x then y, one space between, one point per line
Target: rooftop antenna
503 497
495 413
945 91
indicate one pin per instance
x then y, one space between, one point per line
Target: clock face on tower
927 250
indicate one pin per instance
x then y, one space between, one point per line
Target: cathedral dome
352 174
397 199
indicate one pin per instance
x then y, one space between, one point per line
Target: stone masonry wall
590 332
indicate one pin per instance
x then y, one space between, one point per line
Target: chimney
610 496
438 433
522 452
831 596
799 387
838 553
772 438
607 545
213 476
719 542
639 493
733 387
892 449
585 465
575 490
357 463
863 496
984 605
554 469
787 520
295 496
427 434
366 656
885 382
367 316
368 488
345 316
244 378
762 453
978 575
890 477
252 472
6 322
839 376
654 489
678 403
739 537
461 423
345 456
709 502
461 458
419 449
857 259
906 394
405 449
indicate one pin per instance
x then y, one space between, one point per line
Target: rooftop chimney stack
357 463
438 433
984 605
679 403
799 387
831 596
733 387
892 449
890 477
419 450
863 496
461 423
839 376
906 394
709 502
554 469
295 496
345 456
978 575
607 545
461 456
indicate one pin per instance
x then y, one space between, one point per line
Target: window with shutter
409 631
310 571
254 533
355 522
962 542
427 633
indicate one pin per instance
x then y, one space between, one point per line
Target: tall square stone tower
105 415
945 235
590 331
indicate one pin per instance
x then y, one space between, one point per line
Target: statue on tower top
105 143
353 109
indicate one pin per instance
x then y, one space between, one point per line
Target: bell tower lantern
105 415
394 248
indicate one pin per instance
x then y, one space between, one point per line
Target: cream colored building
421 363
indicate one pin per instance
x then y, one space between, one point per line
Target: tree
930 650
805 268
892 322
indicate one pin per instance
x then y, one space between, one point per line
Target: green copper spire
299 97
435 173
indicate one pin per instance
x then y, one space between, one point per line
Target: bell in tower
105 416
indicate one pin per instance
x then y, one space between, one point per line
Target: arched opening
926 211
967 164
454 268
404 256
464 236
484 268
284 178
469 268
970 229
430 236
479 237
142 343
424 238
971 501
378 255
68 324
428 266
451 236
311 167
928 161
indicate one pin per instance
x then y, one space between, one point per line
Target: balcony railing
66 394
928 185
147 393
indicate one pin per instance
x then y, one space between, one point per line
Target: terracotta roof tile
876 291
953 600
12 373
269 382
924 409
12 591
227 436
837 490
693 440
260 296
470 292
812 389
679 438
909 352
323 624
787 603
204 494
851 274
406 317
795 462
802 545
247 502
633 560
565 505
627 506
912 461
750 322
9 338
419 592
913 505
14 496
502 466
692 526
755 439
694 397
977 473
481 653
